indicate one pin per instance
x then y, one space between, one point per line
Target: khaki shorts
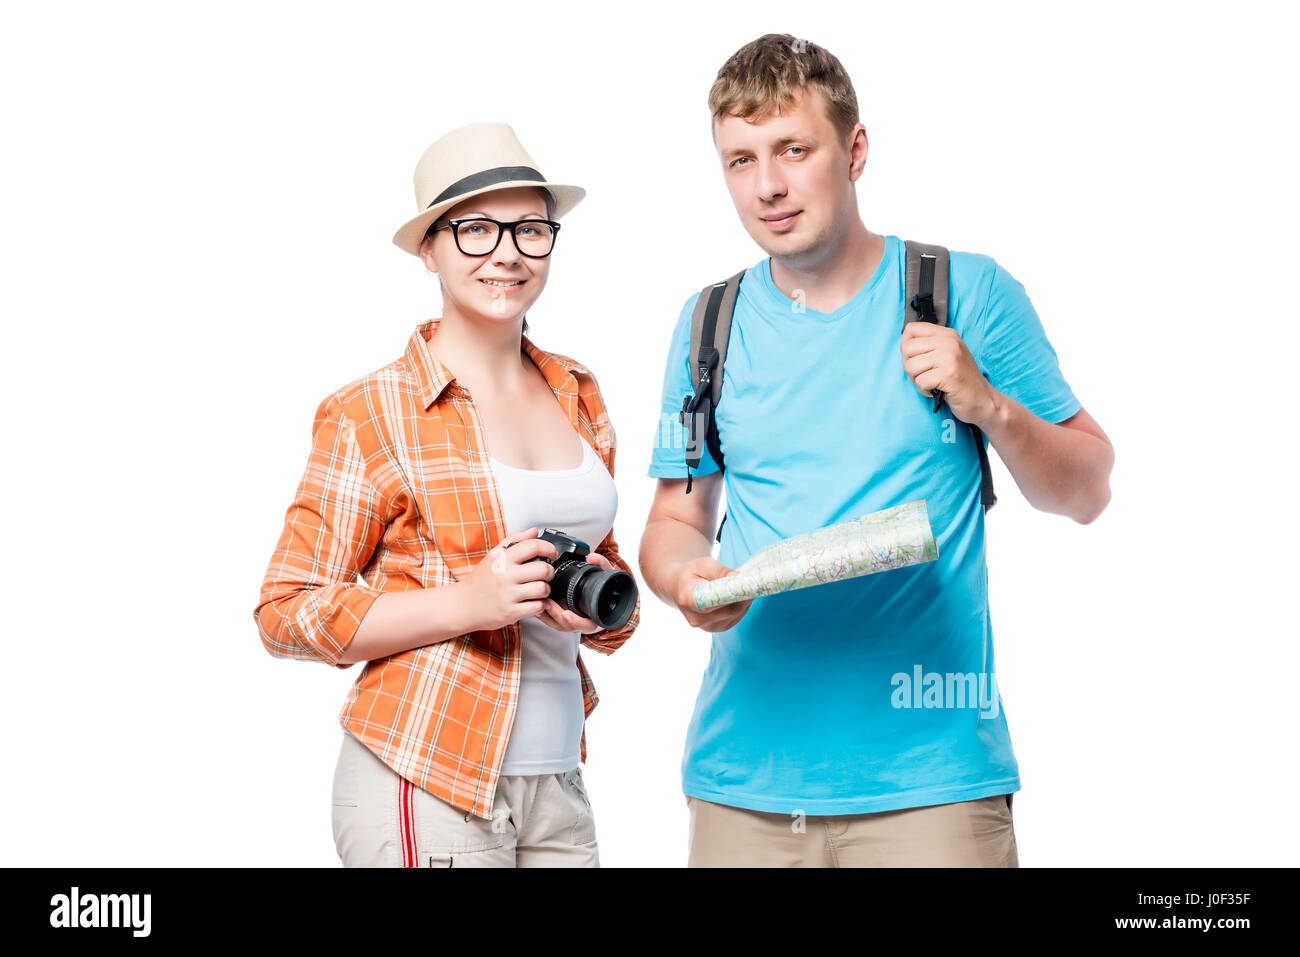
380 819
975 833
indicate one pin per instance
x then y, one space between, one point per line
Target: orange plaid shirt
398 494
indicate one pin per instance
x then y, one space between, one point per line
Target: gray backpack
925 299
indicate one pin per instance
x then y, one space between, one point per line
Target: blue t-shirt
878 692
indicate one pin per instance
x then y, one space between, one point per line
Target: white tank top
547 730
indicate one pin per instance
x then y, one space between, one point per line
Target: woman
413 545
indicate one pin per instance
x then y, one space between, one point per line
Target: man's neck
826 282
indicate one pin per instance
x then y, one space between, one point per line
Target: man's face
790 178
464 277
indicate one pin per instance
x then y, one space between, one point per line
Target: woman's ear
426 254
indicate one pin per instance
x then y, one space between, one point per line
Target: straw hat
470 160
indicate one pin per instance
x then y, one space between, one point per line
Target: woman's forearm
400 621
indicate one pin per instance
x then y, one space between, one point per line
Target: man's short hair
770 73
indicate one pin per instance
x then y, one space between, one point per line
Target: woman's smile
505 287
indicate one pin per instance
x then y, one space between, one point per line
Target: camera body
606 597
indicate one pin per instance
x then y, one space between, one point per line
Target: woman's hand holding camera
507 584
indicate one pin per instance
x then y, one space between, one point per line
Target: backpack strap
926 296
710 330
925 299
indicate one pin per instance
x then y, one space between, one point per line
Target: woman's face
463 276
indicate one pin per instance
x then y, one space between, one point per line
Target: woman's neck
485 357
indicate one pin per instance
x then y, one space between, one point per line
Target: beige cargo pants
382 820
975 833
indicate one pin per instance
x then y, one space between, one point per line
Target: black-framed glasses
477 236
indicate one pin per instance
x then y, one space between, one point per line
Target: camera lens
606 597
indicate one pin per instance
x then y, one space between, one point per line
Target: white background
198 203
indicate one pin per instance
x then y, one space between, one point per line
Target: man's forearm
1058 469
666 545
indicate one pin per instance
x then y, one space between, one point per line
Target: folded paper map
875 542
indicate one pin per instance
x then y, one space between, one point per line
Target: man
820 736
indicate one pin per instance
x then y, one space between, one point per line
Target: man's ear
856 166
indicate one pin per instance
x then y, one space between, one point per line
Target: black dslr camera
606 597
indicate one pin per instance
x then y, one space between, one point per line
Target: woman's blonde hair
770 73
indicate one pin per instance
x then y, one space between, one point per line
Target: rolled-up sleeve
311 602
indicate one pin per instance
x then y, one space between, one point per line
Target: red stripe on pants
406 821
